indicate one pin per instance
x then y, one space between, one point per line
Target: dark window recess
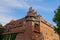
36 25
30 17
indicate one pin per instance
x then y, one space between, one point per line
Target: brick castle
31 27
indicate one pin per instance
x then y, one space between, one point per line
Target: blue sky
16 9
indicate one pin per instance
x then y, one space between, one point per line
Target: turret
32 16
33 22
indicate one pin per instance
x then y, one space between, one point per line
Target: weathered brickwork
31 27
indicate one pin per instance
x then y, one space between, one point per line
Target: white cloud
6 5
5 19
15 3
5 9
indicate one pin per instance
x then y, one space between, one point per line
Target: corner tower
33 24
32 16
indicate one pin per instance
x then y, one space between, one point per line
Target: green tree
56 19
1 31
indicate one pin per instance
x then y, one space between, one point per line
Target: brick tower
31 27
